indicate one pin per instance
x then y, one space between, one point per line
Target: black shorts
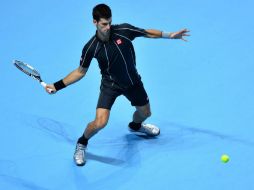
109 91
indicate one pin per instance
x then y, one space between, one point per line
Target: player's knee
101 122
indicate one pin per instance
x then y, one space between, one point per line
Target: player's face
103 26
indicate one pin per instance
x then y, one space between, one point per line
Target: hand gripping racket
30 71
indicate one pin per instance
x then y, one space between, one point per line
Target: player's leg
101 120
138 125
141 113
105 102
138 98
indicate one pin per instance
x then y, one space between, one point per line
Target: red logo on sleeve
119 41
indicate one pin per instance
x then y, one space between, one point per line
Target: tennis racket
30 71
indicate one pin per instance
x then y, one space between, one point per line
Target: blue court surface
201 94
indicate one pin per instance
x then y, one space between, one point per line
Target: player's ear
95 22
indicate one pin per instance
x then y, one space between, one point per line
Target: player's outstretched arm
152 33
71 78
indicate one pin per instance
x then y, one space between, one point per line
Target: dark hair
101 11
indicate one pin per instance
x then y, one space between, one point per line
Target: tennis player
112 47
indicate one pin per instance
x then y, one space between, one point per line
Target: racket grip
44 85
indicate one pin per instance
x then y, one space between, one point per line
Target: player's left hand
180 34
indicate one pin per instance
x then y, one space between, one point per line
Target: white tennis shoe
79 155
148 129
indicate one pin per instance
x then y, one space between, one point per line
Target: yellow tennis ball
224 158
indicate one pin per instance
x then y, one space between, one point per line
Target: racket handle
44 85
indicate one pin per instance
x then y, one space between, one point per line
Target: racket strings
26 69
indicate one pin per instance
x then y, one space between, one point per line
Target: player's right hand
50 88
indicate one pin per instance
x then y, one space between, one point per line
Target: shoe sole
140 133
80 164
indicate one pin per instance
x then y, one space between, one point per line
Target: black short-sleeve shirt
116 57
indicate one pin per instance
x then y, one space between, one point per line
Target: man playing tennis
112 47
